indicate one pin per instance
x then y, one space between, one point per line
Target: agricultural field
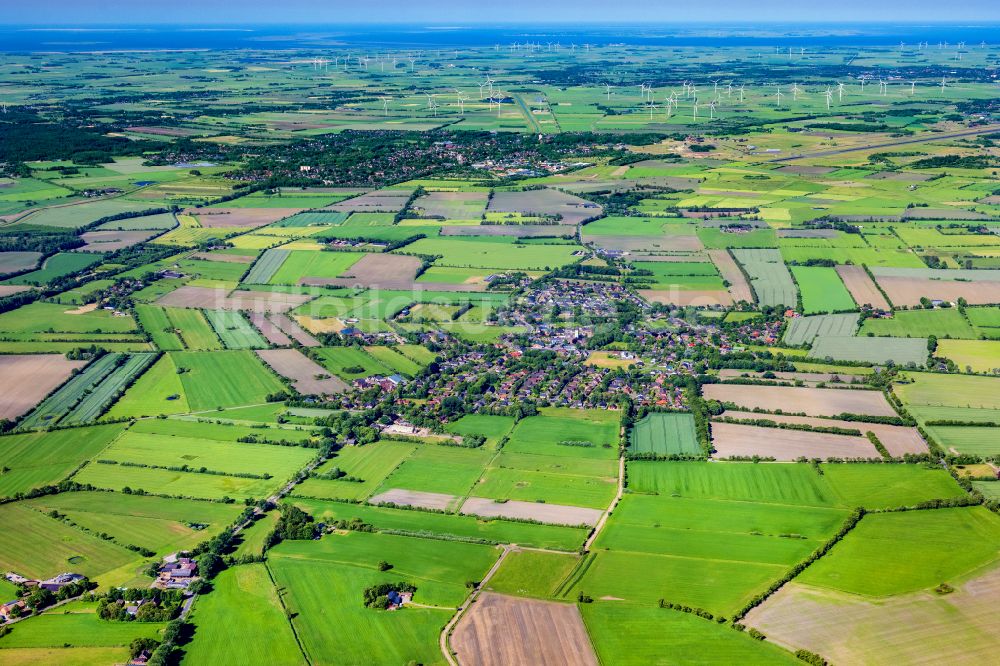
612 351
664 434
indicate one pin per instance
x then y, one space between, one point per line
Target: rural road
446 632
901 142
611 507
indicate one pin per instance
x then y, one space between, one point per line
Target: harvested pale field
324 325
452 205
943 214
803 170
909 290
517 230
921 628
293 330
807 377
504 631
730 271
569 208
228 258
382 201
34 376
733 440
419 499
16 262
302 371
387 271
217 299
695 297
904 176
898 440
110 241
220 218
861 287
811 401
555 514
273 334
8 289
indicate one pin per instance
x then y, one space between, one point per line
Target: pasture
243 594
664 434
343 565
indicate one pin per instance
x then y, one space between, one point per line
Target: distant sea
112 38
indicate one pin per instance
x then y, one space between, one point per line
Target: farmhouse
11 609
397 599
177 573
56 583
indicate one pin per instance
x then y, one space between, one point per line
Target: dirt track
507 631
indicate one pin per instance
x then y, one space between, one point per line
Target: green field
42 458
193 328
900 351
822 290
244 596
897 553
637 635
494 428
498 253
154 320
950 391
370 463
532 574
345 361
664 434
234 330
769 277
224 379
947 323
544 434
41 317
803 330
76 626
341 566
439 469
304 263
159 524
45 547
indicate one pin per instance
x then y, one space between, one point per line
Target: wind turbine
913 86
942 85
795 92
652 105
694 109
840 92
778 95
829 94
608 86
711 110
742 86
385 106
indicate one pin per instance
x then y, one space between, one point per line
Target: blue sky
465 12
